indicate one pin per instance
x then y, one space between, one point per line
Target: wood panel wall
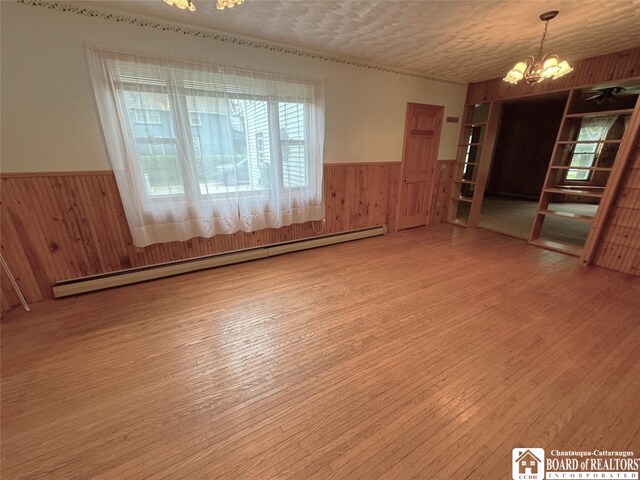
523 149
613 67
619 247
445 172
57 226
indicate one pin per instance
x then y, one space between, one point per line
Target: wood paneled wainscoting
62 225
619 247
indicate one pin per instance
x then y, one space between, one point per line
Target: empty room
312 239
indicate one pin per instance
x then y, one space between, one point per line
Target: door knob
405 179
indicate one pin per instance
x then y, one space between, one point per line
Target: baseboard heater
152 272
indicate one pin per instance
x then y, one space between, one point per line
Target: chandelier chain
544 35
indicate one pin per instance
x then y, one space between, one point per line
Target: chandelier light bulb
188 4
182 4
222 4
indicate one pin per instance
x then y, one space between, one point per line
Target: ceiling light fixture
188 4
222 4
541 67
182 4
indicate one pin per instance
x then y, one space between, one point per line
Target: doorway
524 145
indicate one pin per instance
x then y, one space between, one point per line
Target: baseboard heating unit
152 272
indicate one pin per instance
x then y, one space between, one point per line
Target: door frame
432 180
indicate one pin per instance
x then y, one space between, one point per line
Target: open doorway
523 150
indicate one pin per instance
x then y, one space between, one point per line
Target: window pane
578 175
160 169
219 144
582 159
292 138
585 148
152 127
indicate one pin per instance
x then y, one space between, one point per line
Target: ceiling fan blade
631 90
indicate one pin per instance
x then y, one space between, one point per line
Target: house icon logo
527 463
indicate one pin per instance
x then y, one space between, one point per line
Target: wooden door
420 151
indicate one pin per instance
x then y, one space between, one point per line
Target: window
194 119
584 155
147 116
586 150
237 123
202 149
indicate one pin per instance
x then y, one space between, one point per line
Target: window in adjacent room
589 143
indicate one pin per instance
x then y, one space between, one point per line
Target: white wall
50 123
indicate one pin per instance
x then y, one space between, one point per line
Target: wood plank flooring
429 353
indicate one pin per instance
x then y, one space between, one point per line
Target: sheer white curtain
595 128
201 149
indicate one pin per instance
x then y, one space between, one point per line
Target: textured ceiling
459 40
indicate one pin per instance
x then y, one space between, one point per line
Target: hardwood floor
513 216
428 354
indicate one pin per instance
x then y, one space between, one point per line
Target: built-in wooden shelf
574 191
605 113
579 142
566 167
567 215
467 182
569 249
478 133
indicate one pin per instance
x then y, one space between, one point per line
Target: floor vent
152 272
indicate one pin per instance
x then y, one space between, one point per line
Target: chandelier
541 67
188 4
